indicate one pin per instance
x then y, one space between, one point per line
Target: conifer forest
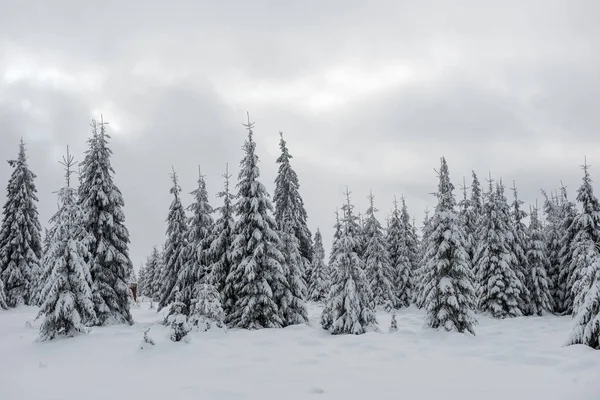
299 200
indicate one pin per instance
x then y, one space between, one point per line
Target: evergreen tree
378 269
468 218
568 231
20 235
102 202
207 310
176 249
152 274
337 233
553 237
321 276
537 281
159 272
177 318
586 326
348 309
448 280
141 281
586 239
196 266
418 297
68 305
290 206
46 265
221 246
410 247
399 260
499 288
257 272
520 238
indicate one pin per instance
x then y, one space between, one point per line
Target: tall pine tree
348 309
399 258
321 275
221 246
378 269
552 239
20 235
586 324
448 280
540 300
586 239
67 307
256 277
520 238
176 247
498 286
568 231
289 204
102 203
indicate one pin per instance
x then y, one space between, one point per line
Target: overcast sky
368 94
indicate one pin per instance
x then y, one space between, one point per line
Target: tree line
252 263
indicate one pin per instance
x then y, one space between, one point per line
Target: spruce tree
321 276
418 296
448 280
499 288
20 235
399 259
586 324
102 202
67 307
197 263
337 233
152 274
221 246
410 247
468 219
540 300
348 309
158 274
520 238
568 231
586 239
289 205
552 238
256 277
378 269
176 248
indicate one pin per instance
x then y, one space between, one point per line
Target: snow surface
519 358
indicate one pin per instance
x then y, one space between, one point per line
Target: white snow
519 358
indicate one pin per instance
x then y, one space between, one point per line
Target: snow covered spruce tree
176 248
378 268
410 245
289 208
152 274
498 286
447 277
348 309
256 279
207 310
221 246
102 203
540 298
67 308
520 238
586 324
552 238
468 219
197 263
321 276
585 243
399 259
418 295
567 232
337 233
20 235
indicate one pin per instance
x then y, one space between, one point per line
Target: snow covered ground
513 359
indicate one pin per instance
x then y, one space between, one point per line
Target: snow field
519 358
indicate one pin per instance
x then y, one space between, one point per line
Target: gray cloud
369 95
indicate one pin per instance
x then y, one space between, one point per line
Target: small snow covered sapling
146 340
393 324
208 309
177 320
